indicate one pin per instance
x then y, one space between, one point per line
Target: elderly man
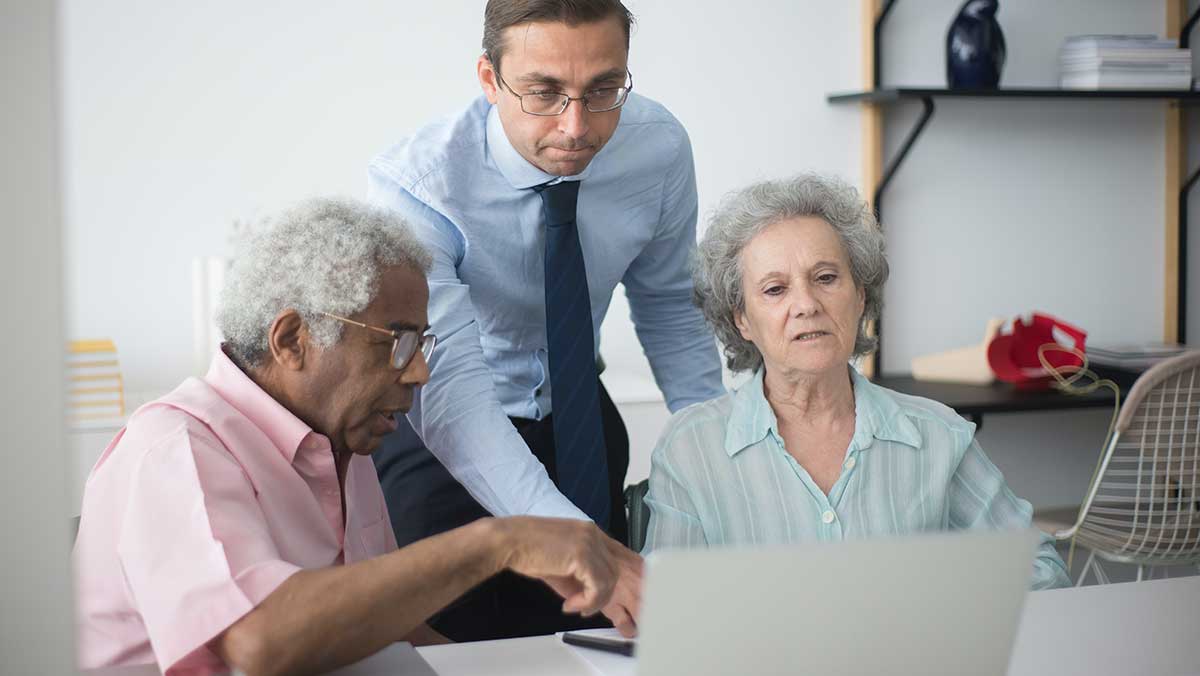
536 200
238 522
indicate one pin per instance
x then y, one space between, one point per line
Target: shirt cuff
557 506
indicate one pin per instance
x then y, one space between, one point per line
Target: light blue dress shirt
720 476
467 194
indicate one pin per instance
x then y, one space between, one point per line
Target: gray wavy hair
744 213
322 255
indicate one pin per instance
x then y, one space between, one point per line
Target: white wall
35 628
182 116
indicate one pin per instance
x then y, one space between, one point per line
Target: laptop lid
945 603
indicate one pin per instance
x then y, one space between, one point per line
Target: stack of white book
1135 357
1124 62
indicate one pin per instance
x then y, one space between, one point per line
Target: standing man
536 201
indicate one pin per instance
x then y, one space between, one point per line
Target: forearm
473 439
319 620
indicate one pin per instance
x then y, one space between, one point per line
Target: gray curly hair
322 255
744 213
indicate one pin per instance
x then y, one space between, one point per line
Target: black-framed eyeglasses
405 342
550 103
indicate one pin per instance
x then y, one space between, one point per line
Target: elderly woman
789 274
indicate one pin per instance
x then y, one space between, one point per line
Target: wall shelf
875 99
973 401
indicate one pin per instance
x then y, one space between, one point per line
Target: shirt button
537 392
850 463
828 516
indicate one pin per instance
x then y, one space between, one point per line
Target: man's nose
417 371
574 120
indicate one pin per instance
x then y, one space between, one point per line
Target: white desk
1144 628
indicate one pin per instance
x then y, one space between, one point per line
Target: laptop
931 604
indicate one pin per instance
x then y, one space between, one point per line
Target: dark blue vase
975 47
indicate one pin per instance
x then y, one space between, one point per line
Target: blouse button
850 463
828 516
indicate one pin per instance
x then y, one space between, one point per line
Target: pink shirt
206 502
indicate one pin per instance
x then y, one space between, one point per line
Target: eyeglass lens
405 347
597 101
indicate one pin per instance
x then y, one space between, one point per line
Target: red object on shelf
1014 356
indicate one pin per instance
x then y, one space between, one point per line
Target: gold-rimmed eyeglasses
550 103
405 342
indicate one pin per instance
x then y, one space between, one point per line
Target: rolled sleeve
194 546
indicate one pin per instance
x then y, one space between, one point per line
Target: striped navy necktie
579 449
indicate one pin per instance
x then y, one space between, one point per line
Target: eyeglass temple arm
376 329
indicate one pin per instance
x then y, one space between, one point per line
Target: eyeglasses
549 103
405 342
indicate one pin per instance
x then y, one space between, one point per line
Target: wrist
497 538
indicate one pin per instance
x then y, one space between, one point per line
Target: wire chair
1143 507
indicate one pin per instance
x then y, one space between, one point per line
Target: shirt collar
751 418
515 169
877 416
282 427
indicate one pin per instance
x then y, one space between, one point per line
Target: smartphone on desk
621 646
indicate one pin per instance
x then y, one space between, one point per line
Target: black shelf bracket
888 174
1181 254
1185 38
876 71
1185 35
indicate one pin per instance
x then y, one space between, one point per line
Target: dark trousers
424 500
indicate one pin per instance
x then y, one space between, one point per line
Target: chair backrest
639 513
1144 506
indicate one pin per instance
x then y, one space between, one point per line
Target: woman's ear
288 340
743 327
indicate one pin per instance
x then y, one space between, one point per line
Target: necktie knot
559 201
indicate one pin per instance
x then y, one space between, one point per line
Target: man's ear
288 340
487 78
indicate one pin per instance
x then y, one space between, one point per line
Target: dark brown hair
501 14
